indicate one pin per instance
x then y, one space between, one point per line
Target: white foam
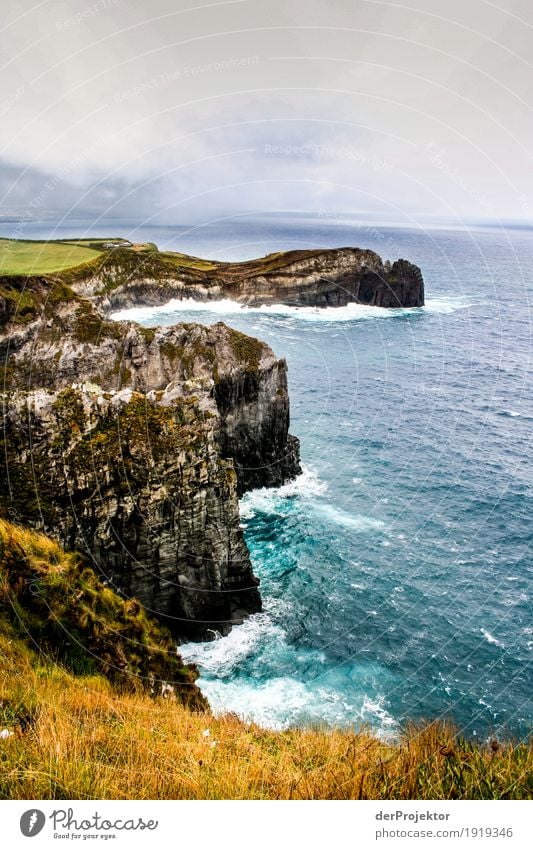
270 501
490 639
306 485
282 702
355 522
351 312
373 708
446 305
223 655
258 501
275 704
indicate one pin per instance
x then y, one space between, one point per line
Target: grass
178 260
25 257
34 257
31 258
80 739
83 736
57 604
246 349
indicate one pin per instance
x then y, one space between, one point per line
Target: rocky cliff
318 278
132 446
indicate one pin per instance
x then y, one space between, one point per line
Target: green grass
185 261
18 257
247 349
63 255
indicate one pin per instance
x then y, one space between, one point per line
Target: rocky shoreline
316 278
133 445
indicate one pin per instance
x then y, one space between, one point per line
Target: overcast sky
167 111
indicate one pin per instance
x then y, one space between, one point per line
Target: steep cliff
132 445
318 278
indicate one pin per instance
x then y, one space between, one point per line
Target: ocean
396 571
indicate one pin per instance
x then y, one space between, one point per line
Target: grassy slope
84 736
42 257
59 605
19 257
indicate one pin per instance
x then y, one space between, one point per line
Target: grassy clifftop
59 607
36 257
77 697
21 257
121 273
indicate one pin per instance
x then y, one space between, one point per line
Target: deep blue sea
396 572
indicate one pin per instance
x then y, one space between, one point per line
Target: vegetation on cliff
120 451
78 667
55 604
84 692
37 257
115 444
129 443
118 273
246 349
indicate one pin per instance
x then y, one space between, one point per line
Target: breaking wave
351 312
307 485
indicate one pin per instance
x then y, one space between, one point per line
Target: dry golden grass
57 601
80 736
77 738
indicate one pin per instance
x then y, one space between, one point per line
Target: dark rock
316 278
133 445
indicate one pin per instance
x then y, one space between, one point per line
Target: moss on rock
247 349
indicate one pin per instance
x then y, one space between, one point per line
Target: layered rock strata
132 445
316 278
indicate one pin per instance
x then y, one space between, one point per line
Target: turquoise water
396 572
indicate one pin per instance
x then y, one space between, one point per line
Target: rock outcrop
132 446
316 278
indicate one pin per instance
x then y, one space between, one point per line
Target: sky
176 112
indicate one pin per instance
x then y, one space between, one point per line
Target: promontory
133 445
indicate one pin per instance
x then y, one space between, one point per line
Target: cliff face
317 278
132 445
255 421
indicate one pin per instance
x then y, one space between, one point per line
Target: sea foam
351 312
284 701
490 639
223 655
307 485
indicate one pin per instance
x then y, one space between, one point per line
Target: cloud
177 113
